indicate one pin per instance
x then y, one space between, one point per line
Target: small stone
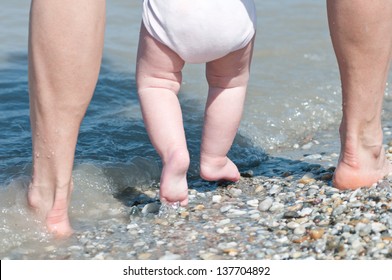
216 198
339 210
152 208
162 222
266 204
326 176
50 248
99 256
75 248
209 256
305 212
378 227
290 215
307 146
236 212
308 178
363 229
231 252
223 222
295 207
316 233
235 192
247 174
225 246
301 239
255 216
296 255
276 207
253 202
274 190
134 211
313 157
199 207
170 256
144 256
386 238
292 225
269 223
299 230
184 214
139 244
225 208
259 189
356 245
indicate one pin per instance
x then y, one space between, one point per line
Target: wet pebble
255 218
266 204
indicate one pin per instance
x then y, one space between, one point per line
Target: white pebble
292 225
223 222
307 146
274 189
235 192
170 256
236 212
266 204
216 198
276 206
253 202
300 230
225 208
305 212
378 227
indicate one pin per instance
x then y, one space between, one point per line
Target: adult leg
65 50
361 33
158 77
228 79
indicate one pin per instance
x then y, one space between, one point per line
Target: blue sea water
293 99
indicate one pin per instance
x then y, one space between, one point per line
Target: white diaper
201 30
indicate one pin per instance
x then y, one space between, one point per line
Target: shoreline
255 218
258 217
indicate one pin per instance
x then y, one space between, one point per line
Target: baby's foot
52 208
218 168
174 185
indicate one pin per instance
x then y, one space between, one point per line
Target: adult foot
52 207
361 167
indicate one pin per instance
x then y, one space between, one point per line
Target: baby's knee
232 78
171 82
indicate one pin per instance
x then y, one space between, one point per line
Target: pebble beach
258 217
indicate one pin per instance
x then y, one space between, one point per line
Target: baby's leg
227 78
158 77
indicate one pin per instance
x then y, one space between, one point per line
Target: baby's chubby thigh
158 66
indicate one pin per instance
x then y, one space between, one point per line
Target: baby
219 33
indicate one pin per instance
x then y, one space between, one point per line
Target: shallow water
293 100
